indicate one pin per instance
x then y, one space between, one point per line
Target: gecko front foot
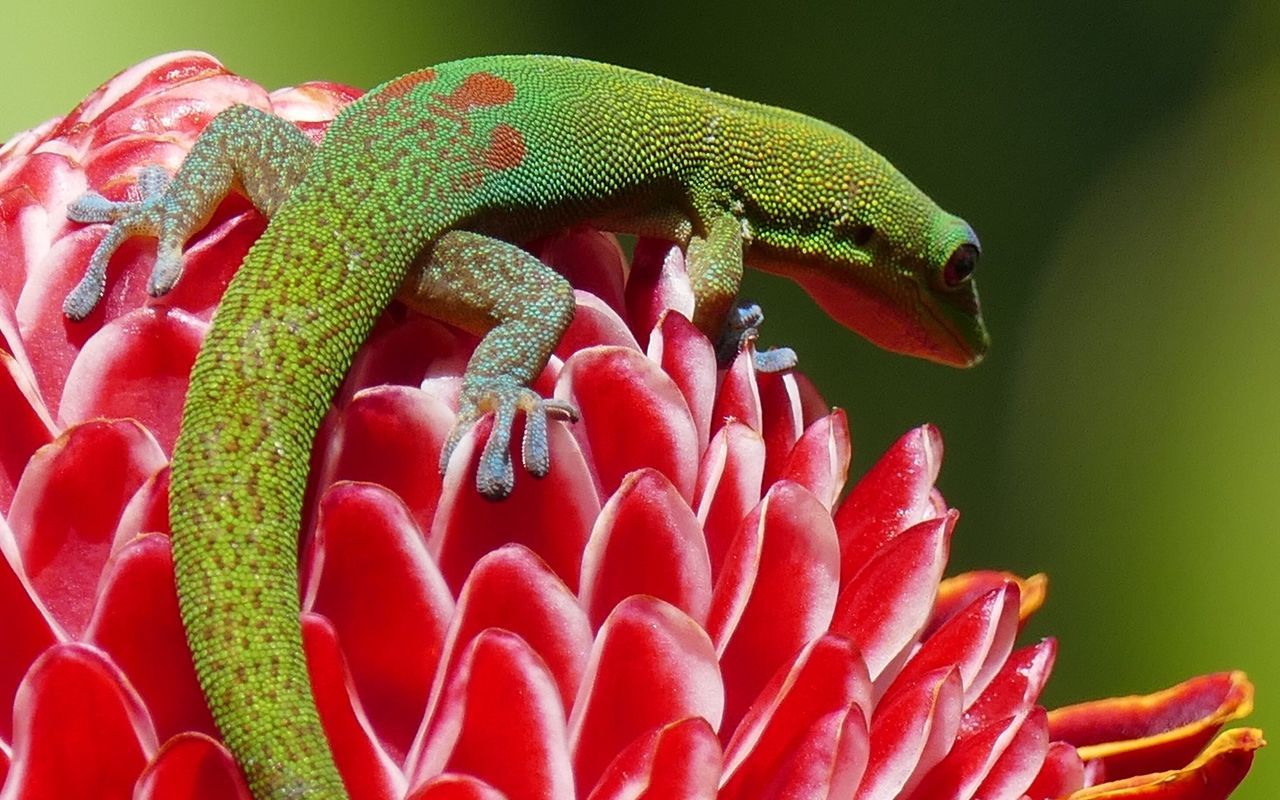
740 329
149 216
495 477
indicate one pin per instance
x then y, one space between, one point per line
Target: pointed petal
651 666
781 419
828 761
977 641
608 383
680 761
137 366
67 507
820 459
406 349
739 396
374 581
137 623
1212 776
146 512
826 677
646 541
884 608
27 426
594 323
501 720
894 495
729 487
552 516
192 766
658 282
910 733
1015 688
392 436
26 628
513 590
75 708
1061 774
367 771
1147 733
591 260
455 787
776 593
687 356
1021 760
956 592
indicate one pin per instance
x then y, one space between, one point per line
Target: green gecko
420 191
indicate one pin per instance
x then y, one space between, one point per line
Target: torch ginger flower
684 608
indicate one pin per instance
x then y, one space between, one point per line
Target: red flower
683 608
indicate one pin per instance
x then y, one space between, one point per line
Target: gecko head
896 269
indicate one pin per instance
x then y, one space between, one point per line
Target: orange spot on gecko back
478 90
506 148
402 85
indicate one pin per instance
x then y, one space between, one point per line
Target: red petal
729 485
651 666
776 593
455 787
138 367
910 733
781 419
826 677
591 260
609 384
80 731
1021 761
885 607
828 761
192 766
501 720
1164 730
739 396
137 623
512 589
25 627
594 323
146 512
680 761
894 495
374 580
658 282
312 103
367 771
27 426
1212 776
957 592
552 516
407 349
820 459
977 641
688 357
1061 774
67 507
1015 688
646 541
392 436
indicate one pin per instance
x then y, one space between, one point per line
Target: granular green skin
417 191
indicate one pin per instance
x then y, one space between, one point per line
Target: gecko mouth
962 327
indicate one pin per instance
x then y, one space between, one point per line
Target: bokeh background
1121 162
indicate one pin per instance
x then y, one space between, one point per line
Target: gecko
422 190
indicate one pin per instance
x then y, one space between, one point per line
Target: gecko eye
960 266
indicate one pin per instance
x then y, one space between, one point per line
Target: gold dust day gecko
421 191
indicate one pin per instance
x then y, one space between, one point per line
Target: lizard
422 190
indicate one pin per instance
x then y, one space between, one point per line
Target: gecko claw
741 329
495 475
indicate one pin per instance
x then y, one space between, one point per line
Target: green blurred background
1121 163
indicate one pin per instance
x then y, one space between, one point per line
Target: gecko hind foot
128 218
495 476
741 328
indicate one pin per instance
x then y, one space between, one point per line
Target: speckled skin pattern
417 191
